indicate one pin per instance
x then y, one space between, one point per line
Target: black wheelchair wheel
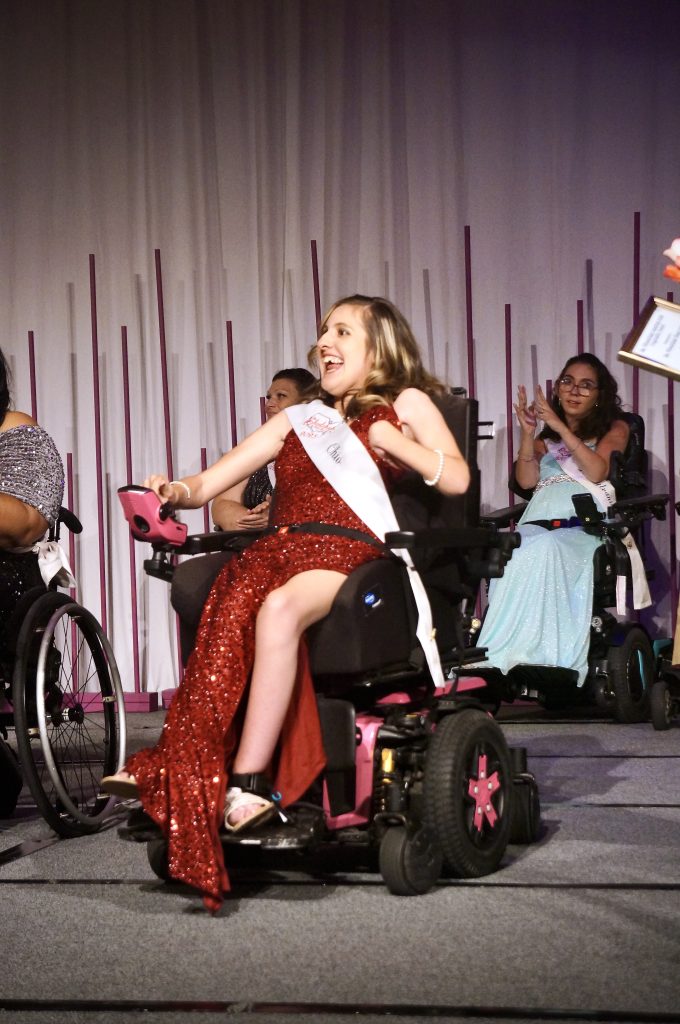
157 855
468 792
410 863
68 713
631 671
526 811
661 705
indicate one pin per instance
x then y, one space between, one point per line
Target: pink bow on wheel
673 253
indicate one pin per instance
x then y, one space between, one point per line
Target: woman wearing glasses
539 611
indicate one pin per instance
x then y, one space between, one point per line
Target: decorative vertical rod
672 494
263 410
636 301
72 563
98 442
127 421
164 366
580 333
31 369
508 392
206 514
315 282
468 315
232 386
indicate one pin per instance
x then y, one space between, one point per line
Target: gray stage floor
584 925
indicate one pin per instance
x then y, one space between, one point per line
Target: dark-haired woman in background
31 490
246 506
539 611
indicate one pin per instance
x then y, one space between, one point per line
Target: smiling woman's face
344 353
578 390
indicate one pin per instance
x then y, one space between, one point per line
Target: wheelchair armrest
219 540
504 516
645 506
443 537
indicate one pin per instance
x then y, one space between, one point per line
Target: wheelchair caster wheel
661 705
526 811
410 864
157 855
631 670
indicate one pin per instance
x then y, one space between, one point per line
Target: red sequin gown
183 780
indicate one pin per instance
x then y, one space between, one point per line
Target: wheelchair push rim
82 731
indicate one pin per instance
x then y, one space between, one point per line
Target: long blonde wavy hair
397 361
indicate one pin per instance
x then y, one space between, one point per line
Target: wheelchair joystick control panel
150 519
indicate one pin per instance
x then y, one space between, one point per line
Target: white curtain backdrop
229 134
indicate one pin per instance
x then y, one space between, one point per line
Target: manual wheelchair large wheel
468 792
68 713
631 671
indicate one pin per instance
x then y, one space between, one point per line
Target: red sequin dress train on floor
182 781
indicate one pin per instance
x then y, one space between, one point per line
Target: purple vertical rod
231 384
672 495
72 563
31 368
315 281
131 542
468 315
263 410
164 366
206 514
98 441
508 392
636 301
580 335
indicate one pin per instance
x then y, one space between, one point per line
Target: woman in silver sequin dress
31 491
539 611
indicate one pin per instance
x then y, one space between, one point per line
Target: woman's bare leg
284 616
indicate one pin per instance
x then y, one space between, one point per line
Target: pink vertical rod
315 282
468 315
508 392
128 475
31 369
164 366
231 384
72 563
580 334
206 514
636 300
263 410
98 442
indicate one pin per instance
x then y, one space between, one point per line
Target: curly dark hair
5 383
603 414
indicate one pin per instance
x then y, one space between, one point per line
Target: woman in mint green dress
539 611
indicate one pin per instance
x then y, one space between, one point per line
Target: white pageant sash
605 496
271 474
52 562
338 453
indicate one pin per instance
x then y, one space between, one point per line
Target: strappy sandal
249 790
122 785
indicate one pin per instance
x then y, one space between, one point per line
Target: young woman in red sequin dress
263 601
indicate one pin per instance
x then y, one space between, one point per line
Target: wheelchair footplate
303 829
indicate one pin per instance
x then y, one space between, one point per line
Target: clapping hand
526 414
544 411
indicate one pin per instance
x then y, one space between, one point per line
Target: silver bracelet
180 483
440 469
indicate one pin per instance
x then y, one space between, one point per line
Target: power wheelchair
418 779
621 657
60 691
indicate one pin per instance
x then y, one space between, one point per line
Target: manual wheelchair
61 692
417 780
621 657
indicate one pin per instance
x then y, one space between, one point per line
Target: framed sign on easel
654 342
